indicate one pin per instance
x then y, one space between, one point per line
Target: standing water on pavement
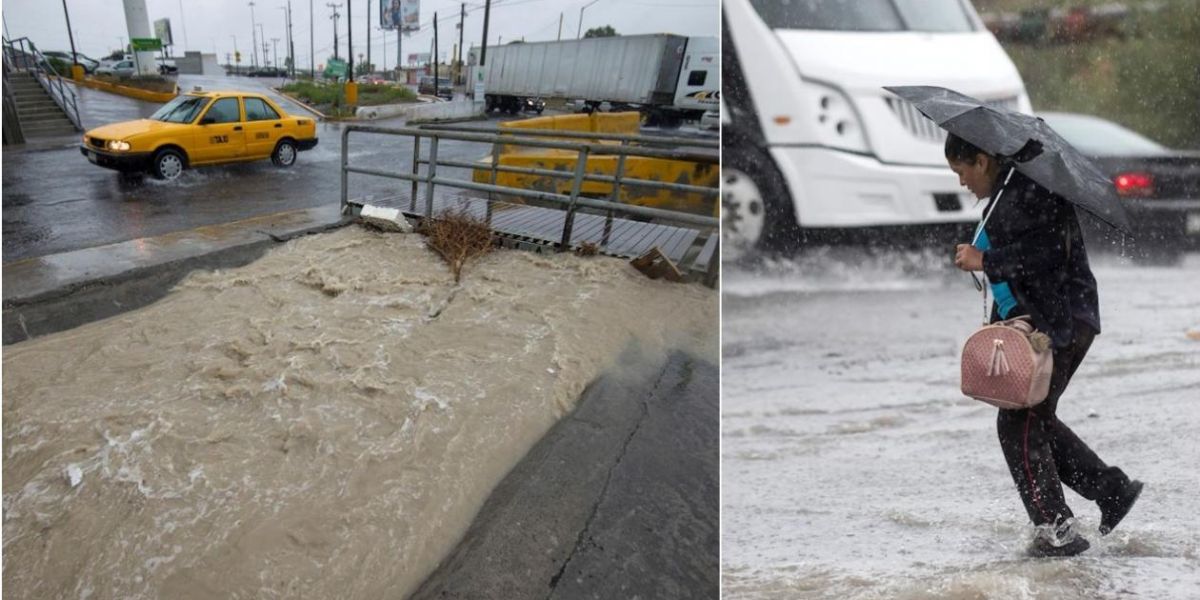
323 423
852 466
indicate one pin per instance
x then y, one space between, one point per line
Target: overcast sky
209 24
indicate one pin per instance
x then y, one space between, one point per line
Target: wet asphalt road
55 201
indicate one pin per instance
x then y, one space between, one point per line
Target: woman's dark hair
961 151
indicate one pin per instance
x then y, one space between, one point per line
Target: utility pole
291 43
334 18
275 50
312 44
262 36
237 55
253 38
487 15
462 17
384 49
435 56
560 17
349 42
369 66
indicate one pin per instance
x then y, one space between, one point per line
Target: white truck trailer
667 77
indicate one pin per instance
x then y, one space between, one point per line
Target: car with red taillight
1160 185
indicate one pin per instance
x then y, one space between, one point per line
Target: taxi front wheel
167 165
284 154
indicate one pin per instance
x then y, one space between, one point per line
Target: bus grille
925 129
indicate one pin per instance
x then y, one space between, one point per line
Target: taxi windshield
183 109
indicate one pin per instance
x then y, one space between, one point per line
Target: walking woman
1033 254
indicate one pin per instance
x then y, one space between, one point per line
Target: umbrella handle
999 193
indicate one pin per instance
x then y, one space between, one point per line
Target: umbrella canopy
1027 142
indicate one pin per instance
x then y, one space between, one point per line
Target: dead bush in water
458 237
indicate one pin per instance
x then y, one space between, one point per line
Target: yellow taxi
201 128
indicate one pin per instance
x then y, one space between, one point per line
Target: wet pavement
54 201
853 467
636 516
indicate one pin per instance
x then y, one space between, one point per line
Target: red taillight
1136 185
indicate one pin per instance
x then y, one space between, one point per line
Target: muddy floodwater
853 468
322 423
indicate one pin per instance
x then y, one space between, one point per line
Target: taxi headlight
118 145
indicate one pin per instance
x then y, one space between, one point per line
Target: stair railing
22 55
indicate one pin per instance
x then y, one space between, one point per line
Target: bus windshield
933 16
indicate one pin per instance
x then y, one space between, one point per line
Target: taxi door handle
237 128
278 125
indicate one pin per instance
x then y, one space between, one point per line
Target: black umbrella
1027 142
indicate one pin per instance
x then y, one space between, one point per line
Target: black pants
1043 453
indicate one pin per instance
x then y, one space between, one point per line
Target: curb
302 104
124 90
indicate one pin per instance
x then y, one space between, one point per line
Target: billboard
420 58
162 31
404 15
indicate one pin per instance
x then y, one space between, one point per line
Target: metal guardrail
22 55
570 203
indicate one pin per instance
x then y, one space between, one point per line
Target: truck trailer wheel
756 209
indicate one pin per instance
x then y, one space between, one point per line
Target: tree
363 68
595 32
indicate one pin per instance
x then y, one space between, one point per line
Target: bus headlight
837 122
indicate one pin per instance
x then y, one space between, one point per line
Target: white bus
813 144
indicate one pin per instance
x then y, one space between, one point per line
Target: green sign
335 68
145 44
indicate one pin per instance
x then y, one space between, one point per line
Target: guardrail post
416 168
616 192
492 180
711 274
430 173
569 222
345 163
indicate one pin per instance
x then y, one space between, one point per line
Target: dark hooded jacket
1037 248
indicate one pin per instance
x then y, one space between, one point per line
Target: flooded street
324 422
852 467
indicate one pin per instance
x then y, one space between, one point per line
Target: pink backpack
1007 364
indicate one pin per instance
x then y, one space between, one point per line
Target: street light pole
579 33
74 57
435 56
262 36
275 51
253 38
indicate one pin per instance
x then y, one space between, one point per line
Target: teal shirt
1005 301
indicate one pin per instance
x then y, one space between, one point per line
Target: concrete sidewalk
618 500
52 293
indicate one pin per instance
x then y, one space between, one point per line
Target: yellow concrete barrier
77 72
131 92
351 93
636 167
